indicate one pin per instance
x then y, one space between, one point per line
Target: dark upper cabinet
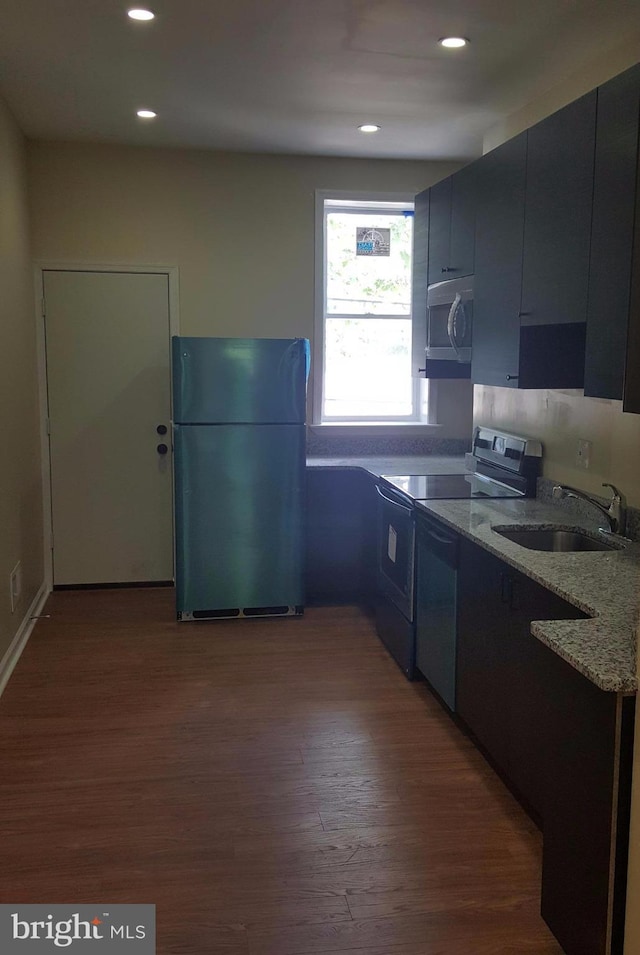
452 226
419 286
631 394
533 228
463 222
501 182
616 160
439 230
557 221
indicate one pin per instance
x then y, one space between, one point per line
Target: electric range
500 465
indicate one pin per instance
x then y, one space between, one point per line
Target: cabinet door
498 264
557 225
335 557
582 884
614 185
530 729
463 221
631 394
439 231
482 668
419 287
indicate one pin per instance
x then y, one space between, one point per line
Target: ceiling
295 76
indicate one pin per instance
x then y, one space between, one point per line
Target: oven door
396 542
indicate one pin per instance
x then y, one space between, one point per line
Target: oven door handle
390 500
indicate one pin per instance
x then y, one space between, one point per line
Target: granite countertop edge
603 584
378 464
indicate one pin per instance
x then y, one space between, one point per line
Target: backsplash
560 420
575 506
323 444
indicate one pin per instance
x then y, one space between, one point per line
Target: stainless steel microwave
450 320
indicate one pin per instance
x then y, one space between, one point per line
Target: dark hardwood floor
275 787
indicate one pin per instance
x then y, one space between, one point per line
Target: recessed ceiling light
139 14
369 128
453 42
146 114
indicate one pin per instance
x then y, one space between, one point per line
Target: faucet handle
616 493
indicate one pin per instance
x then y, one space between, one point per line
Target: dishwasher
501 465
437 566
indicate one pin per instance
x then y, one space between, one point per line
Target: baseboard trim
19 642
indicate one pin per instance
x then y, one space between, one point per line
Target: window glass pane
368 368
369 284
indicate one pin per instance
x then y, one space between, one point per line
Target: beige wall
240 227
20 483
560 418
577 84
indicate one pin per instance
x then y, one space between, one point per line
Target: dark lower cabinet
589 736
340 536
563 744
482 657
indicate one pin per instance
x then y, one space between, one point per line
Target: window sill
375 428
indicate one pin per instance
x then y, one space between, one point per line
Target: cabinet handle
421 369
512 377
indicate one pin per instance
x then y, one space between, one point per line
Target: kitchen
169 209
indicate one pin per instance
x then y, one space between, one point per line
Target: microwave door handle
460 332
451 324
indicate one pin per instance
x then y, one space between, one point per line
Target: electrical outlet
15 585
583 454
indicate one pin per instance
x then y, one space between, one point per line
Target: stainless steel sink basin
539 538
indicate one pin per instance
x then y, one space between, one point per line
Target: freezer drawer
239 380
239 518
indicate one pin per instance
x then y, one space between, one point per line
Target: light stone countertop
395 464
604 584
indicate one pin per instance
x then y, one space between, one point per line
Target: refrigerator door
239 519
239 380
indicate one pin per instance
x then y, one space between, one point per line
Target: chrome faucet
616 513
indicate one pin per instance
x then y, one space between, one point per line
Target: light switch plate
583 454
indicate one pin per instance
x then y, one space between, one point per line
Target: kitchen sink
555 539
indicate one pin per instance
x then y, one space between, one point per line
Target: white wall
20 483
240 227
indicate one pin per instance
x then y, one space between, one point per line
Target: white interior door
108 366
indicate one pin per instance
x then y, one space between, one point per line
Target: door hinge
48 425
51 541
44 307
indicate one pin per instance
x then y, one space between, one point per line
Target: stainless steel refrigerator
239 461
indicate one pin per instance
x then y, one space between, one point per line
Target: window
364 321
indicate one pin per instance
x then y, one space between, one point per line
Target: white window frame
347 202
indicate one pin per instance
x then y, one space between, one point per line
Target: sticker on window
391 544
373 241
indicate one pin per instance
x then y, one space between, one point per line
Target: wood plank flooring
275 787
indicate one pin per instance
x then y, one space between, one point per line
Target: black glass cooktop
432 487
